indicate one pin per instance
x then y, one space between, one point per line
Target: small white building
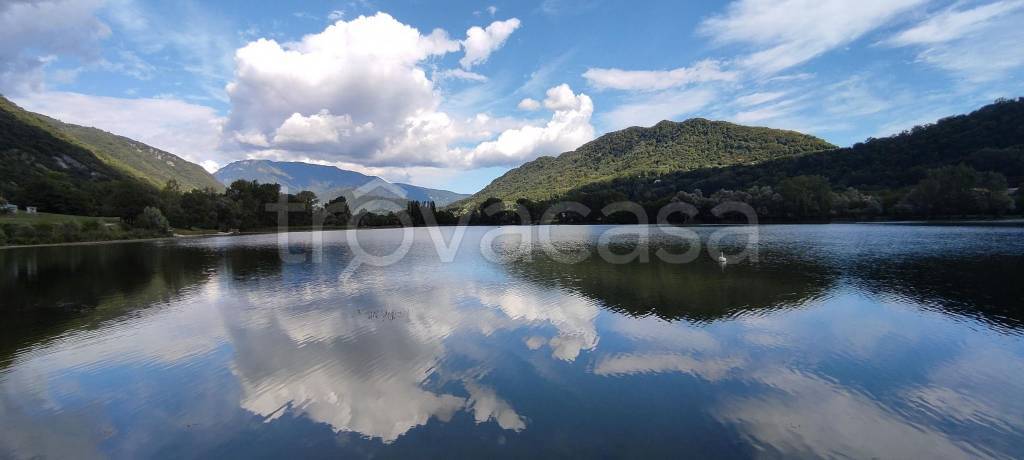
30 209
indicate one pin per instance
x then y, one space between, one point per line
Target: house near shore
30 209
9 209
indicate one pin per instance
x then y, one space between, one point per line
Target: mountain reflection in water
840 340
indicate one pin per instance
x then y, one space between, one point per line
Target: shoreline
1017 220
90 243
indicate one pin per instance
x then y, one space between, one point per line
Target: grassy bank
198 232
45 228
47 218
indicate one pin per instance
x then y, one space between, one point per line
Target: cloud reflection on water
799 364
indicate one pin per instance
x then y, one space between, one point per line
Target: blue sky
452 94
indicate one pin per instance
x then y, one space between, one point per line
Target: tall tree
807 196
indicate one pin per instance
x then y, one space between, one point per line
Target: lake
860 340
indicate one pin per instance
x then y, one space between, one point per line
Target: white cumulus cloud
568 128
364 72
528 104
481 42
320 128
561 97
358 93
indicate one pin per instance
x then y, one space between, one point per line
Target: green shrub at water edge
24 234
44 233
153 221
94 231
9 230
91 226
69 232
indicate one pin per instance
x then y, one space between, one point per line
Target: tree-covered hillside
44 168
127 156
959 166
70 169
633 153
137 159
989 139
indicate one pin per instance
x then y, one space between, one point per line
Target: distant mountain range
329 182
640 152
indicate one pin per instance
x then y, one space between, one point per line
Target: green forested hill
960 165
632 153
125 155
39 165
137 159
988 139
47 168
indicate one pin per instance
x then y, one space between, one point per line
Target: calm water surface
890 341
